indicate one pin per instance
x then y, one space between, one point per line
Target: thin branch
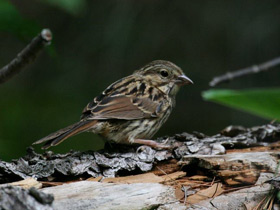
27 55
242 72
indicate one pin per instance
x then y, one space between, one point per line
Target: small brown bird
132 109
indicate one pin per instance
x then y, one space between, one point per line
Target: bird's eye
164 73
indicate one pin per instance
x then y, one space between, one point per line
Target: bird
130 110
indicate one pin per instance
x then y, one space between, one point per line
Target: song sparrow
132 109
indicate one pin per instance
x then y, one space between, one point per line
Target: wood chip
231 182
142 178
174 176
27 183
166 167
50 184
192 184
198 177
95 179
247 177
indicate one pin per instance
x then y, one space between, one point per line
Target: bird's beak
183 80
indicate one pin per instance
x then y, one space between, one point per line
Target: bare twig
242 72
27 55
184 189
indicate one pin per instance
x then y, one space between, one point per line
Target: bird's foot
153 144
141 148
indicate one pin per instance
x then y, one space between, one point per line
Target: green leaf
261 102
73 7
11 21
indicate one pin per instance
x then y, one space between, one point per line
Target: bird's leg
152 143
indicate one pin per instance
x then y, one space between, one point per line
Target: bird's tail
59 136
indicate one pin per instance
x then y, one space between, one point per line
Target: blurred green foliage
261 102
98 42
74 7
11 21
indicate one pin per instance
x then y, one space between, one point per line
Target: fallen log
234 168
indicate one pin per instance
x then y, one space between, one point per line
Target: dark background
105 40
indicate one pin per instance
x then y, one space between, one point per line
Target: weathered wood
127 196
107 196
213 181
117 159
242 199
235 168
141 178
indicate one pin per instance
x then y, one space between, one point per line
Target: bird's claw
141 149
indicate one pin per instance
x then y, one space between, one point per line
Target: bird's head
164 75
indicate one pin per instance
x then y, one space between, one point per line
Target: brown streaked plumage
132 109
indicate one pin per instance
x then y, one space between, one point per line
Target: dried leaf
211 192
179 193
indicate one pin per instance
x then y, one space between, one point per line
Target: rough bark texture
117 159
231 170
16 198
107 196
235 168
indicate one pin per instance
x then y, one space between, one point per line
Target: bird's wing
123 107
126 99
